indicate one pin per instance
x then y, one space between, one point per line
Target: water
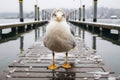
10 50
110 52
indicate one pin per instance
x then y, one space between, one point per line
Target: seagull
58 37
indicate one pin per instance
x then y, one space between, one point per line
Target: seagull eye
63 15
55 15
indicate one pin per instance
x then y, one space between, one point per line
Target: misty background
106 8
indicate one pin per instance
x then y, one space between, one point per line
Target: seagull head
58 15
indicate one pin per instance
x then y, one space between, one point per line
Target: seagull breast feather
58 37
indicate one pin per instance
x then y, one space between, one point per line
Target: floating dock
32 65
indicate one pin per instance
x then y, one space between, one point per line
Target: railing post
14 30
21 28
21 10
42 14
105 31
79 13
38 14
0 33
75 15
95 11
83 12
35 12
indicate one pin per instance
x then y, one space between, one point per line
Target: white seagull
58 37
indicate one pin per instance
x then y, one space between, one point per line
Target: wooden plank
53 79
33 66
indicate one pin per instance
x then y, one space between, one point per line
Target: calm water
10 50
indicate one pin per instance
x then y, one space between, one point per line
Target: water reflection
21 44
36 34
16 44
83 34
94 42
64 74
106 45
79 31
104 33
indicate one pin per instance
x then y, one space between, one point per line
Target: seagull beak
59 19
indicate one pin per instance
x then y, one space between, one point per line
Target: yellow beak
59 19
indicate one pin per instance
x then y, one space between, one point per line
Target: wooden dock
32 65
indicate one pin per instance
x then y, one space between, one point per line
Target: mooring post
21 10
70 16
45 14
36 13
95 11
21 28
42 14
83 12
75 15
79 13
0 33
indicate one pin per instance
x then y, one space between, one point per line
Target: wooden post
47 16
79 14
21 10
14 30
36 13
29 27
21 28
0 33
42 14
75 15
95 11
70 16
105 31
83 12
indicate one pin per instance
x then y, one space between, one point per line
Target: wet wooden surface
32 65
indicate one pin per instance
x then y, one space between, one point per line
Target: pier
20 27
32 65
102 29
86 63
